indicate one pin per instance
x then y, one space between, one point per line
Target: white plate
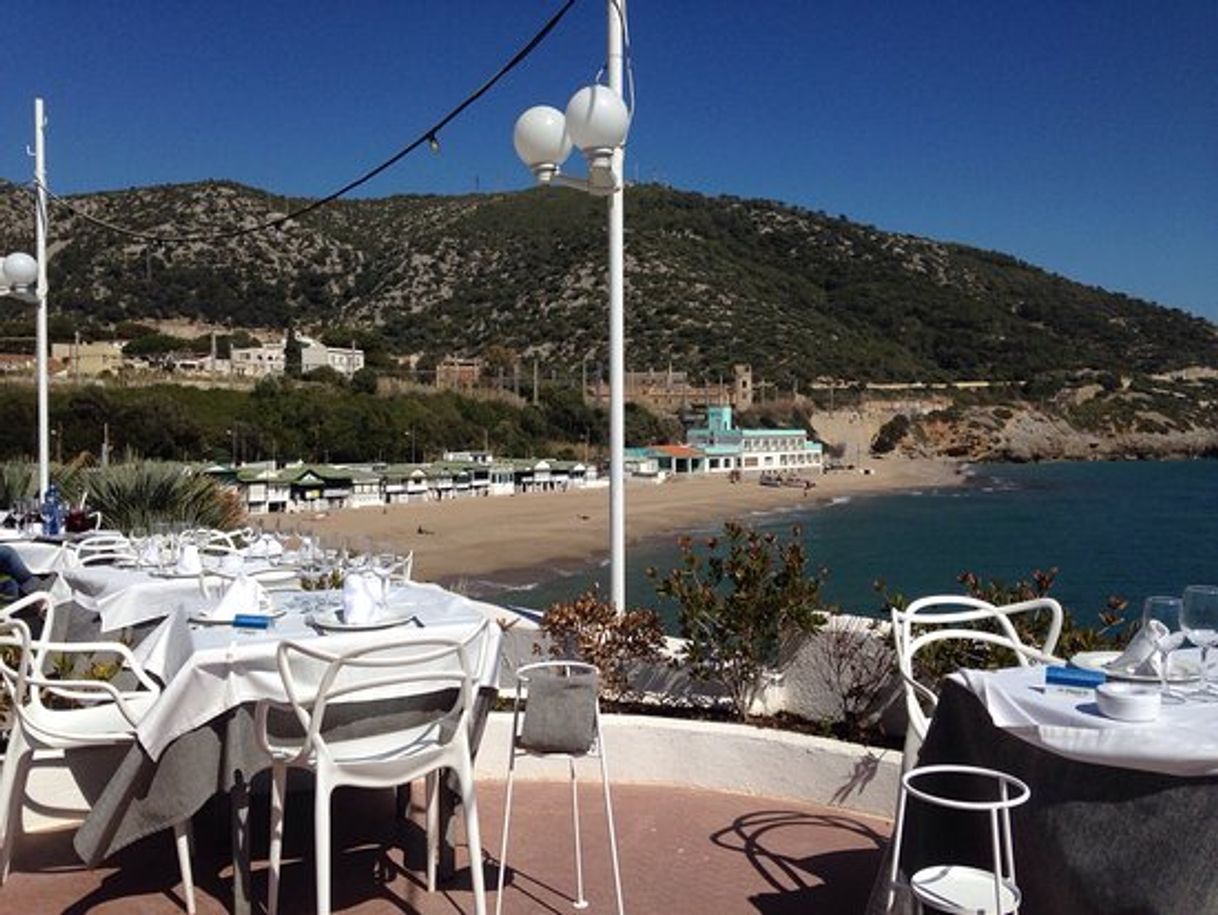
1183 670
329 621
201 616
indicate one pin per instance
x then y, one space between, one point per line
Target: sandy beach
478 538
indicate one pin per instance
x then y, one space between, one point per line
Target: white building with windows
269 359
257 361
720 447
344 360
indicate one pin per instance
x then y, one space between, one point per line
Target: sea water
1111 529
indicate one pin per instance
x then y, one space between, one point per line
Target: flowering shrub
742 607
590 629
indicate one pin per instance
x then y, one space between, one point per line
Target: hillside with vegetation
800 295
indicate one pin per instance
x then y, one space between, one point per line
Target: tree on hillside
291 354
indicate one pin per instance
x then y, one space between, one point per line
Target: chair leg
580 901
181 839
473 835
12 796
507 824
617 873
431 788
321 843
896 849
279 777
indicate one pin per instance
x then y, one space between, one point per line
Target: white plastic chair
315 679
99 549
924 622
957 888
65 714
580 741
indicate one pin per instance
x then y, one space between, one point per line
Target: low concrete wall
641 749
721 757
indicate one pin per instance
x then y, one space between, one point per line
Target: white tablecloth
1182 741
211 669
40 558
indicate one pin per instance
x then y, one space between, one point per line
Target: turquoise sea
1119 528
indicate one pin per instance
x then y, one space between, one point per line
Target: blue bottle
52 512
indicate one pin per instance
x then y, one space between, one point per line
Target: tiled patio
683 851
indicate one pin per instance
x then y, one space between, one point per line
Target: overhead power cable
428 137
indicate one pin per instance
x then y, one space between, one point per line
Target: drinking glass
1165 610
1199 621
383 561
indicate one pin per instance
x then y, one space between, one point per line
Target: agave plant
138 495
17 482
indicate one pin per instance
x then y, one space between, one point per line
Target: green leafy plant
744 606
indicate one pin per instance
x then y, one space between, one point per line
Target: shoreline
505 540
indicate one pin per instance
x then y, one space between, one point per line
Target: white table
211 669
1182 741
1110 827
196 740
125 597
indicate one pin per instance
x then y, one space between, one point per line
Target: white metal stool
561 717
958 888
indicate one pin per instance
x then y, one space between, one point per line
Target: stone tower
743 390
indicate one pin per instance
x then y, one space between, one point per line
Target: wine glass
1199 621
383 561
1166 639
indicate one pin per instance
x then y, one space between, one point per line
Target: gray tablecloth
145 796
1093 840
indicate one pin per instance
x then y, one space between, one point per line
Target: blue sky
1080 136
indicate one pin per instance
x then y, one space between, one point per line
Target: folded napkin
360 594
1141 656
243 597
189 562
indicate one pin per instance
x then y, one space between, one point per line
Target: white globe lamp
541 141
20 269
598 121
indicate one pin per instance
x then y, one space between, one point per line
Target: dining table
1121 817
198 738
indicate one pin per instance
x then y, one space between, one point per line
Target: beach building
404 483
721 447
265 487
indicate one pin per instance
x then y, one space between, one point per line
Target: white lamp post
24 276
596 120
21 272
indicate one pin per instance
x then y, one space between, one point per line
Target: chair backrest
562 708
316 679
924 623
15 661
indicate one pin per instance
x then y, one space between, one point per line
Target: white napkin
359 599
1141 656
189 562
244 595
